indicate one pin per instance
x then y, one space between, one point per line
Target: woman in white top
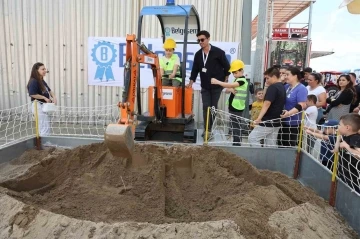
315 88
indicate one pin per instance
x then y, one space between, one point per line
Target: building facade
55 32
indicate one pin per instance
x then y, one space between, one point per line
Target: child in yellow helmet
237 100
169 65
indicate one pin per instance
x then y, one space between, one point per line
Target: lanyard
205 58
288 91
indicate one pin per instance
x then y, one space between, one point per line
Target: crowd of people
276 115
304 91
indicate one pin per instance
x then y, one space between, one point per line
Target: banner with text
106 59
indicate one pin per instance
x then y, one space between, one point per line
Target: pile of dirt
19 166
309 221
177 184
33 156
22 221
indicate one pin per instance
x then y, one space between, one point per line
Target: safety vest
169 66
239 100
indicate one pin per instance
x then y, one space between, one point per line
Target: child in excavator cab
170 65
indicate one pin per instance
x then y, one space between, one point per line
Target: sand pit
181 192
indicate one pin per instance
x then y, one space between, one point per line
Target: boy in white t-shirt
310 119
311 111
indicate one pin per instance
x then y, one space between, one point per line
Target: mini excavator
169 117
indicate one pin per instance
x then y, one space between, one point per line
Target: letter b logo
104 53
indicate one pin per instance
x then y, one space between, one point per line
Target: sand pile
197 190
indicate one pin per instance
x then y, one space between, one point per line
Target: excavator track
167 132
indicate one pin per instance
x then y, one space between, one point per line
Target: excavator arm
134 59
119 137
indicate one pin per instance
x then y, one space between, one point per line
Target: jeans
320 115
269 134
310 142
237 124
44 121
288 135
210 98
171 82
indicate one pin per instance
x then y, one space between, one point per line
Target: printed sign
168 94
290 30
174 28
289 33
106 60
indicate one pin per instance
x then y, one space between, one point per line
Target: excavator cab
169 117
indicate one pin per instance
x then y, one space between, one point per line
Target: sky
333 29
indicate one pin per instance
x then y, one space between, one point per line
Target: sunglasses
201 39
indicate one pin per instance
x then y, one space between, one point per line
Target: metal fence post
37 133
298 153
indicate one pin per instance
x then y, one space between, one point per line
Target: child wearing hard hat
238 90
169 65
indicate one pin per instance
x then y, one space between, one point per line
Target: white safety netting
82 121
320 143
18 123
230 129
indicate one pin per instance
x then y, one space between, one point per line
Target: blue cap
331 123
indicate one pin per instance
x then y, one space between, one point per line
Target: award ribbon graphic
105 62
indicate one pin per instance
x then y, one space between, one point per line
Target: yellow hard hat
236 65
169 44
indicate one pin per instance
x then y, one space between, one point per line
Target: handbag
49 107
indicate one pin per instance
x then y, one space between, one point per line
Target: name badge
204 70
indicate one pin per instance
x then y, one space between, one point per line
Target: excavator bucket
120 140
